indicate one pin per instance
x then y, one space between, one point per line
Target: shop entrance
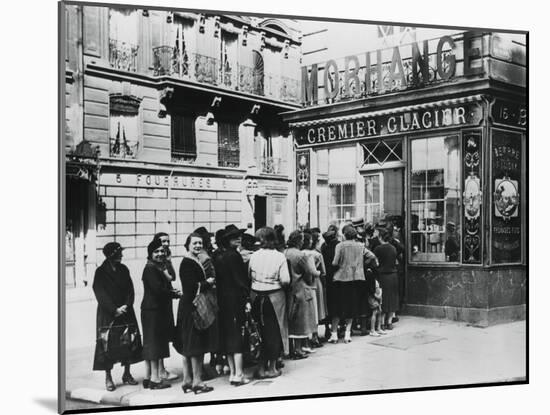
260 212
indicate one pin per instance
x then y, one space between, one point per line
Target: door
260 212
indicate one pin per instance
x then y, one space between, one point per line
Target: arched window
257 73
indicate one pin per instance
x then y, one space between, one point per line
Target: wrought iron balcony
250 80
168 60
206 69
123 55
272 165
228 154
290 89
228 75
123 149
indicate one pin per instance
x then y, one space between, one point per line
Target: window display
435 198
341 202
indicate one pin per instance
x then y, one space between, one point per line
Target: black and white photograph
267 206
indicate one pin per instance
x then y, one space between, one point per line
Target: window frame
183 155
341 206
408 202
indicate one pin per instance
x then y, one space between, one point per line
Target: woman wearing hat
233 289
114 291
191 342
328 249
157 317
387 277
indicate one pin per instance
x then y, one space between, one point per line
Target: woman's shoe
146 383
333 338
186 387
109 385
298 356
128 379
158 385
239 381
347 337
274 374
389 326
374 334
308 350
381 331
202 389
279 364
169 376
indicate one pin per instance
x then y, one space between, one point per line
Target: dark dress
157 317
112 289
188 340
233 289
387 277
328 250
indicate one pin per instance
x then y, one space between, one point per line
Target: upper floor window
228 144
251 78
270 151
124 129
228 59
184 145
123 39
172 45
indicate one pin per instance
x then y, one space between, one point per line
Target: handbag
119 342
251 336
205 309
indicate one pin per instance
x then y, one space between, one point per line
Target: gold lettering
415 122
342 131
321 134
310 136
392 128
331 133
460 115
447 117
402 123
360 128
371 127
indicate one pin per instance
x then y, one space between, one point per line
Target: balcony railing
167 60
272 165
228 154
123 150
123 55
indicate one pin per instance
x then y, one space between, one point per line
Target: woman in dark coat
156 313
189 341
233 289
114 291
387 277
328 250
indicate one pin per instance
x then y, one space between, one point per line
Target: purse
119 342
251 337
205 309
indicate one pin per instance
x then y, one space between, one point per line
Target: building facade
171 124
426 128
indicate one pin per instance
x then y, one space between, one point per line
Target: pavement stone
430 353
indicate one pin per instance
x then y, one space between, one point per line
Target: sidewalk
417 353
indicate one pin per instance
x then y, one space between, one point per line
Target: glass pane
348 212
348 191
335 194
334 214
435 198
372 189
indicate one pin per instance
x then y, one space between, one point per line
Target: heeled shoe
186 387
146 383
279 364
333 338
202 389
128 379
109 385
158 385
347 337
169 376
298 356
239 381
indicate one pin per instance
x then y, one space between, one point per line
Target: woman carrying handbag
191 341
114 291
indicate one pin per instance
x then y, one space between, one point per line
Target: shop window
228 144
184 146
341 202
374 188
123 39
506 206
435 200
124 126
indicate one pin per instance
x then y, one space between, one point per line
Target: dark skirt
188 341
350 299
332 304
389 283
264 314
231 318
157 334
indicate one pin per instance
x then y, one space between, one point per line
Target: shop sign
376 73
170 181
389 124
506 159
509 113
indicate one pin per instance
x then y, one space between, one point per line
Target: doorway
260 212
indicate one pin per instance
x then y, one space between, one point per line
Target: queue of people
288 288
